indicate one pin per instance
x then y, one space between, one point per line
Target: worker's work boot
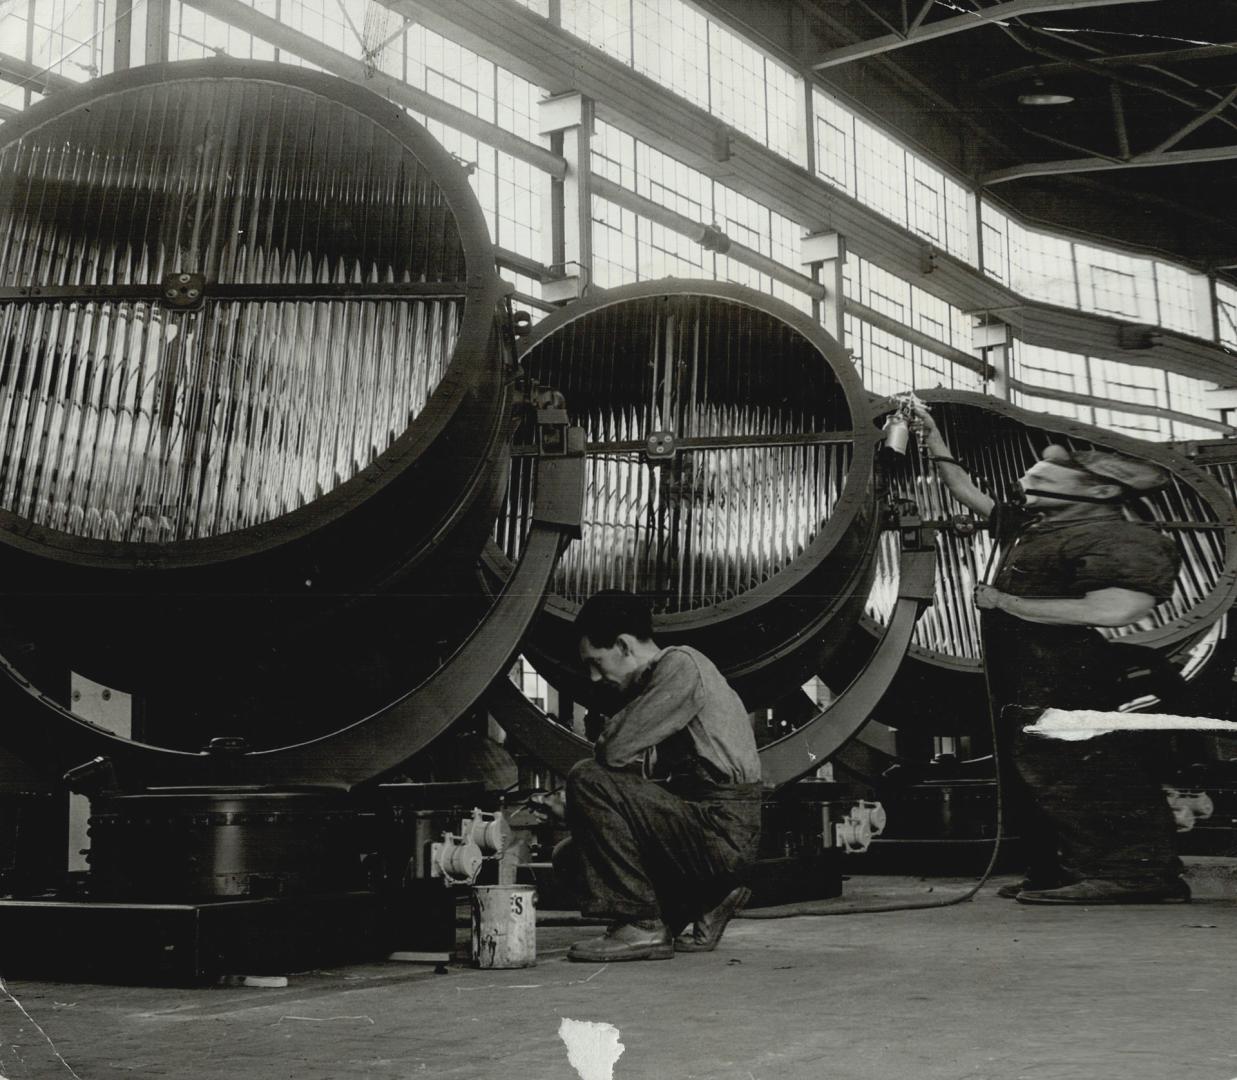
1029 884
626 941
1099 891
707 930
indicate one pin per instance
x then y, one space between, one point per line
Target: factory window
835 141
1055 270
614 245
754 94
890 295
1182 297
660 251
994 231
540 7
1128 384
927 217
71 38
671 43
1095 377
1041 266
603 24
880 172
1139 425
1068 409
958 220
339 22
883 361
701 60
672 184
784 109
1050 369
1116 284
1226 313
863 161
527 295
194 35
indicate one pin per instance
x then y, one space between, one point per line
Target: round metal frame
775 631
462 409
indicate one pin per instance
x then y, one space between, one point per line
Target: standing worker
666 820
1095 820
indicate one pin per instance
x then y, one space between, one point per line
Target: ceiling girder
1164 56
1100 164
23 73
957 24
1197 122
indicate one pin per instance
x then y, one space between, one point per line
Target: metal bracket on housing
184 292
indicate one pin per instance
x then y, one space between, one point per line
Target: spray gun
898 426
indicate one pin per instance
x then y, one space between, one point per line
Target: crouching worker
665 856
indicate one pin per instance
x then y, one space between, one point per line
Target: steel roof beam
1166 56
397 91
1197 122
23 73
1101 164
958 24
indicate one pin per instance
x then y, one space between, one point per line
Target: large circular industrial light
254 377
998 442
232 296
729 473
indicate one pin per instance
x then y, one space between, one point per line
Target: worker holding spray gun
1092 815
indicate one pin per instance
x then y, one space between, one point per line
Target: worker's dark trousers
641 851
1096 805
1091 809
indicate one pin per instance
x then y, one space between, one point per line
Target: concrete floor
989 989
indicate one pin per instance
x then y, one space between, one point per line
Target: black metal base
186 943
795 879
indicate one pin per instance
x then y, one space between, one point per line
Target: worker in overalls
1094 817
666 819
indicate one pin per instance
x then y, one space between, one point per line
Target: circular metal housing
730 452
254 381
940 685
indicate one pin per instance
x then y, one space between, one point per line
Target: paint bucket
504 926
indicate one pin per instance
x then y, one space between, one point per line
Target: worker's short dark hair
611 612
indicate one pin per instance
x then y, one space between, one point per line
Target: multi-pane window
1068 409
1116 284
860 159
540 7
602 23
701 60
1226 313
1183 298
614 245
1051 369
1056 270
74 39
835 142
194 35
880 172
527 294
1041 266
889 364
1108 380
671 45
511 192
659 251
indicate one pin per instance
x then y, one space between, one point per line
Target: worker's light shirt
686 709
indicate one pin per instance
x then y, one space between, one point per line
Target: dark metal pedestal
186 943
